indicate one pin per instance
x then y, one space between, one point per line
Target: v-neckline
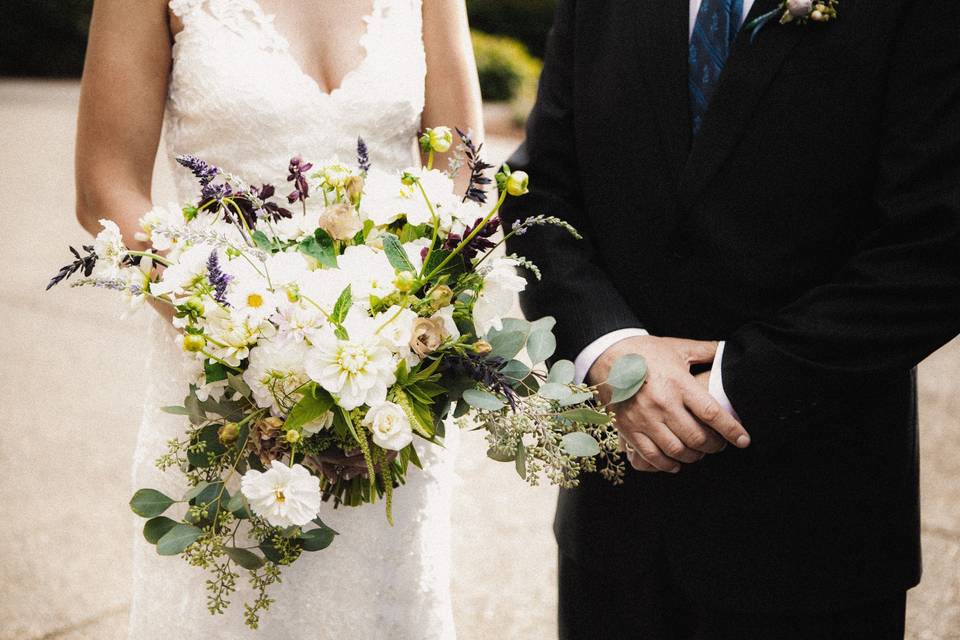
270 22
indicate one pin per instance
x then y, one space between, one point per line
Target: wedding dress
239 100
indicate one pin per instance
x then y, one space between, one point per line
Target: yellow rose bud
194 342
195 305
440 139
228 432
354 188
441 295
482 347
517 183
406 281
293 436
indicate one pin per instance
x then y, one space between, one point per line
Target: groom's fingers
668 443
651 453
693 434
709 411
698 351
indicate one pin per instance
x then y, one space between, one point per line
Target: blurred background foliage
47 38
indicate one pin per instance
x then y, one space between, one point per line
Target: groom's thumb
701 351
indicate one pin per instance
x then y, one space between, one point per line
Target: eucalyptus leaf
521 461
238 384
245 558
149 503
580 444
156 528
175 541
546 323
238 506
396 254
483 400
177 411
626 377
515 371
192 405
214 371
586 416
576 398
505 344
501 455
541 345
317 539
555 391
195 491
262 241
563 371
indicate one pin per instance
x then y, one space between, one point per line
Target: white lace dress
239 100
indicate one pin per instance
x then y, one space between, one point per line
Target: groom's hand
673 419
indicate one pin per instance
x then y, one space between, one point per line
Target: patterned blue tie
713 34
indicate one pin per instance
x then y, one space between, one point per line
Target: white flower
382 197
160 216
234 332
110 250
368 271
446 314
275 370
395 328
440 191
334 174
799 8
358 370
251 298
286 268
389 425
322 288
189 270
317 425
285 496
500 284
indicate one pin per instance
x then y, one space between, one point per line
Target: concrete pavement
71 382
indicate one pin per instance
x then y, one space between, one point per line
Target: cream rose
341 221
389 425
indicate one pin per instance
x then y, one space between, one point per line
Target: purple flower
204 172
218 278
297 170
363 156
477 189
480 242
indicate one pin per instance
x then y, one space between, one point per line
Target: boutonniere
798 11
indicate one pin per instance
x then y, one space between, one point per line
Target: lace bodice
240 100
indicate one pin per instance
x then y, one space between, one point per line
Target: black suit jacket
813 224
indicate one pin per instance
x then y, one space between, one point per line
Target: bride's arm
121 112
453 91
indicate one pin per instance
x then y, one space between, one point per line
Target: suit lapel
748 72
663 36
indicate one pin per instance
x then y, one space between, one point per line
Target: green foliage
626 377
175 541
314 404
580 444
149 503
396 254
525 20
505 67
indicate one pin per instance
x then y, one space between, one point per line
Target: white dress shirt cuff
715 386
596 348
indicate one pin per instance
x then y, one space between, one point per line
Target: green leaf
156 528
270 551
149 503
177 411
214 371
419 414
515 371
239 506
342 306
192 405
563 372
262 241
540 345
555 391
546 323
244 558
314 404
521 461
396 254
317 539
501 455
483 400
175 541
210 437
321 248
320 523
586 416
505 344
195 491
238 384
626 377
580 444
576 398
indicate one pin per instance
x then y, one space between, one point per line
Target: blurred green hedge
525 20
506 68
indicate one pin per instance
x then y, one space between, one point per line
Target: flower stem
152 256
466 241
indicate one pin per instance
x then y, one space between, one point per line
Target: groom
795 197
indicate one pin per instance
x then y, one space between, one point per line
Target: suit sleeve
898 299
574 287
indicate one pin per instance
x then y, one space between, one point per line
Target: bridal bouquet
329 333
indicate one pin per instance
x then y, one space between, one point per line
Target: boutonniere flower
798 11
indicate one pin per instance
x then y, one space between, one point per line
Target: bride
246 85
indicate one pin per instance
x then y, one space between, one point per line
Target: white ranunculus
356 371
389 426
110 250
369 273
284 496
440 192
799 8
500 284
275 370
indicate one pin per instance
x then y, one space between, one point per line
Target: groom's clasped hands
673 419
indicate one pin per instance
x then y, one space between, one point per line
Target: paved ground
70 381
